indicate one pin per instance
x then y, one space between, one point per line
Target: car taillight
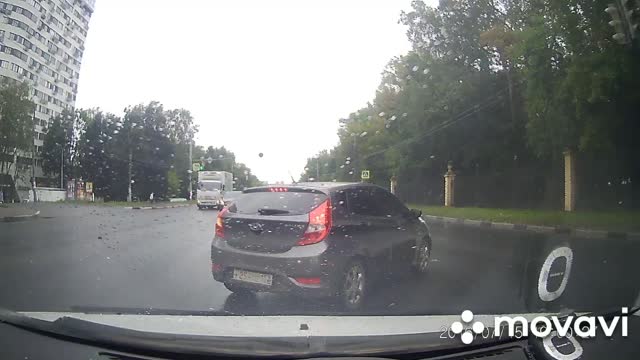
220 223
308 280
278 189
319 225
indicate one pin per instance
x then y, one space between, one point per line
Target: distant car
317 239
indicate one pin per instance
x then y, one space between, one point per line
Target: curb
19 217
156 207
584 233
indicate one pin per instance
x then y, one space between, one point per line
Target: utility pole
62 167
33 156
233 178
318 169
355 156
190 169
129 177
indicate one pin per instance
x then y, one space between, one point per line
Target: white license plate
252 277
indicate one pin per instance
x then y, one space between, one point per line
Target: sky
271 77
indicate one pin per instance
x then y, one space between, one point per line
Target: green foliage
173 183
490 85
97 147
62 142
16 121
222 159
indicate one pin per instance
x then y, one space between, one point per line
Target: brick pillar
569 180
393 184
449 186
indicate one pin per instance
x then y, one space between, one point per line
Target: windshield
325 158
291 203
209 185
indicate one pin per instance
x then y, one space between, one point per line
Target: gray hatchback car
317 239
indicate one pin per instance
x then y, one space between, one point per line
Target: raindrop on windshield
415 68
381 114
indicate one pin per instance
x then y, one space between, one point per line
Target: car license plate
252 277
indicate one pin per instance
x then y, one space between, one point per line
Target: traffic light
624 19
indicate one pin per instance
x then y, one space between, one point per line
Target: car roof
321 186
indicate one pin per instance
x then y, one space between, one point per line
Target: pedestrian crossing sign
365 175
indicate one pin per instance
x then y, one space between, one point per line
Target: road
74 257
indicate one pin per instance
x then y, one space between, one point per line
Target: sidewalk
17 212
160 205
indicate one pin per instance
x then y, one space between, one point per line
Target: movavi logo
542 326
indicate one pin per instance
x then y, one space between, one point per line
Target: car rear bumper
309 261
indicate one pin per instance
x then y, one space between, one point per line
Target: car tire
236 289
199 207
354 286
420 266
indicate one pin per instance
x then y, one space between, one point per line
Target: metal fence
601 185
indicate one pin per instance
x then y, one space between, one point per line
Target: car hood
284 336
272 326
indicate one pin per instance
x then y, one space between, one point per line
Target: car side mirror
415 213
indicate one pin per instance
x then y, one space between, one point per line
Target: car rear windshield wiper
267 211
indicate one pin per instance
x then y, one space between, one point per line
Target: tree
173 183
99 160
60 145
491 85
16 124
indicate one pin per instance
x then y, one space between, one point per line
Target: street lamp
33 151
355 154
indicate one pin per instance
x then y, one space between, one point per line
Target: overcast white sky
258 76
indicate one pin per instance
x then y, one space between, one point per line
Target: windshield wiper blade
267 211
145 311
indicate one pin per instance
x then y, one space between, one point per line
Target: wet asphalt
89 258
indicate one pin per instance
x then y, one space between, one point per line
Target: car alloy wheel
423 257
354 285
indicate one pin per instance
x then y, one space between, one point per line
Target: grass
597 220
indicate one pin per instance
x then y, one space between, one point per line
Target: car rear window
295 203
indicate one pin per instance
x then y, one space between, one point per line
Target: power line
461 116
